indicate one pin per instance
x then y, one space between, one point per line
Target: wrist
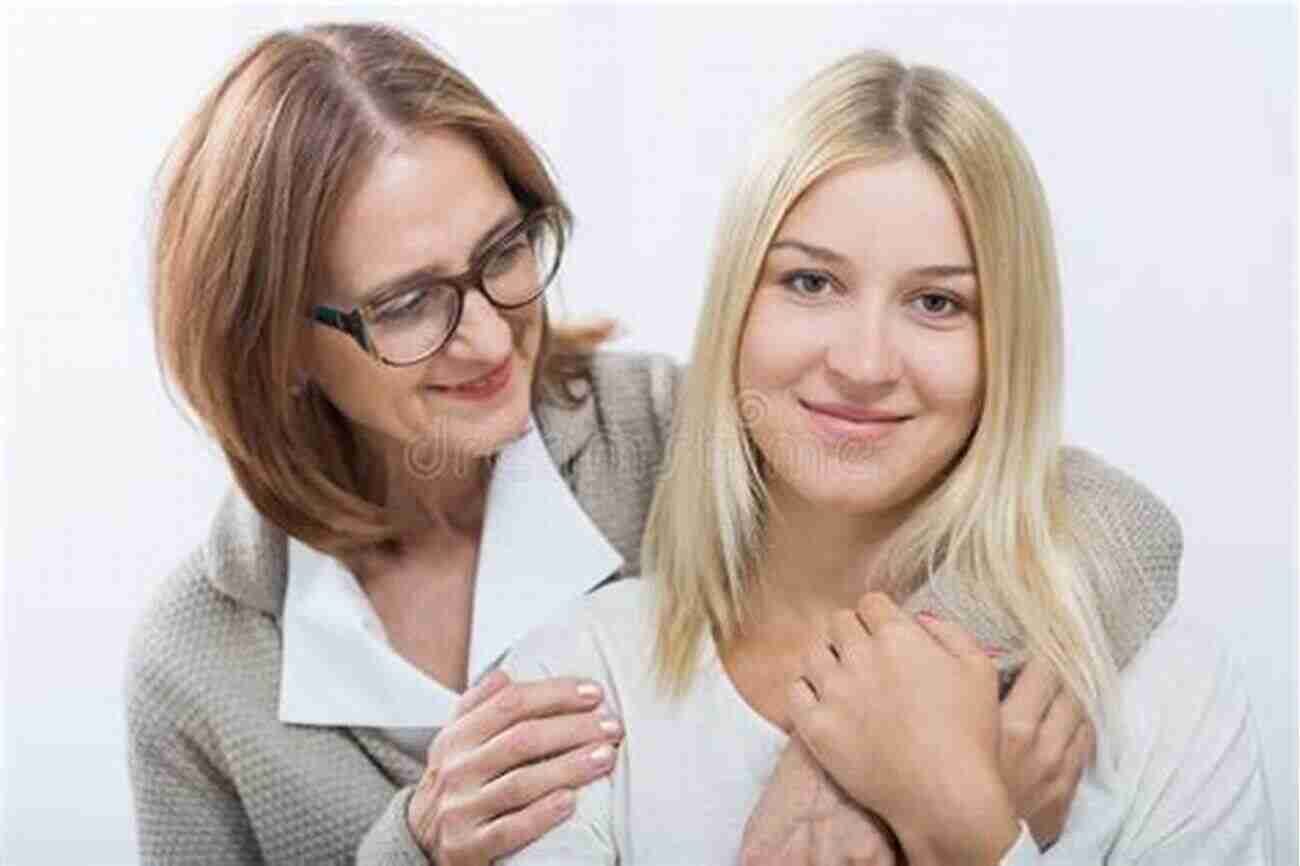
976 831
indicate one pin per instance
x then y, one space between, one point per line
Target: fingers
495 681
848 634
518 701
525 784
1082 749
1032 694
878 611
803 703
820 664
1064 718
532 740
510 832
952 637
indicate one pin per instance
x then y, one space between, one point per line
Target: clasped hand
896 721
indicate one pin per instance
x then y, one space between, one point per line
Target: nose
863 351
483 333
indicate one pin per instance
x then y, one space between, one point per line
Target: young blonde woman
872 420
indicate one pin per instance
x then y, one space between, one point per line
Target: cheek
948 373
361 389
776 347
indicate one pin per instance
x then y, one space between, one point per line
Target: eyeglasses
415 319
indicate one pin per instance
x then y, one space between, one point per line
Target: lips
840 421
484 386
857 414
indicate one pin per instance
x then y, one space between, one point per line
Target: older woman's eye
405 306
808 284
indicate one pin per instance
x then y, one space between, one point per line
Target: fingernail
994 652
589 690
601 755
927 614
611 726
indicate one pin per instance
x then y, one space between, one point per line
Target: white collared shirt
539 552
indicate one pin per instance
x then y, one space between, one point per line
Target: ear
298 383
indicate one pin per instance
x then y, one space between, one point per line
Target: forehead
896 213
423 203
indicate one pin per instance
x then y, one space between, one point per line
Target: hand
906 719
1046 744
804 819
503 772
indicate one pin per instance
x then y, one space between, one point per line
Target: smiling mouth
839 422
484 386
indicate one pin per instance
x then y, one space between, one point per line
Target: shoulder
1185 656
1124 504
192 651
635 389
1130 545
1191 747
606 635
1184 692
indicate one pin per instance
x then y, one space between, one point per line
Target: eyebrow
829 255
409 280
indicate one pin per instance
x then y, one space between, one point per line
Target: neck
449 500
816 560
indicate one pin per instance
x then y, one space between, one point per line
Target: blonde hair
250 191
995 521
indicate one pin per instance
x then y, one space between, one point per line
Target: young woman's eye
808 284
936 305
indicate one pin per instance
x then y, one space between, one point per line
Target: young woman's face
428 206
859 367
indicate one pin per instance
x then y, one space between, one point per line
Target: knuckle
494 838
515 790
520 743
454 773
453 818
1017 733
510 701
1050 759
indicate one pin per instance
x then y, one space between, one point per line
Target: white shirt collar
539 551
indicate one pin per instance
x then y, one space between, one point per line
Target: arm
1201 795
389 841
186 809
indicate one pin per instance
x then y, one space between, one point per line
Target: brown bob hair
248 194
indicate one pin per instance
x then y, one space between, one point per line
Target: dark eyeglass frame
354 323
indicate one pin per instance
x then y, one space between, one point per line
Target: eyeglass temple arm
348 323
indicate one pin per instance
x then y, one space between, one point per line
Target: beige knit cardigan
217 778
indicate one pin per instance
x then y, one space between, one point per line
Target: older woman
873 408
352 255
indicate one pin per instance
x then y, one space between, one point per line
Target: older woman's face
859 366
427 206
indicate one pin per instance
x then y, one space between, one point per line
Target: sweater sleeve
186 810
389 842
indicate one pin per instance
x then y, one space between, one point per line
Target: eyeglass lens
416 323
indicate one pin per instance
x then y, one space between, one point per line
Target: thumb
950 635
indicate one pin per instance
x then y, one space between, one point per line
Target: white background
1165 137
